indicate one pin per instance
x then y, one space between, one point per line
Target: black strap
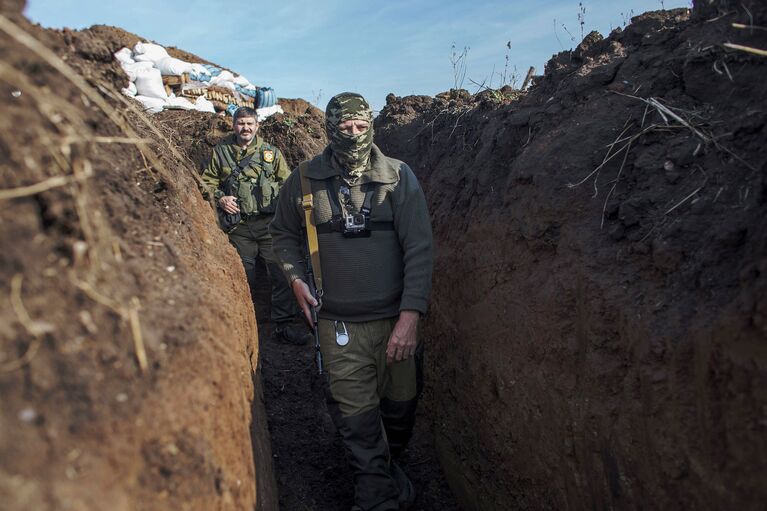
227 186
335 202
335 226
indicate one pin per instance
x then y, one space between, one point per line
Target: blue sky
314 49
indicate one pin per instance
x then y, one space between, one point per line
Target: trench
582 352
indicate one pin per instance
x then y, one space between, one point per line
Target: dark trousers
252 240
372 405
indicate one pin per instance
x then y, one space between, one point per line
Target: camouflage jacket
258 184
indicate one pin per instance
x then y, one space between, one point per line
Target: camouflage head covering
351 151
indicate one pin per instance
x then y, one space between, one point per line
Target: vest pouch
246 196
228 221
265 194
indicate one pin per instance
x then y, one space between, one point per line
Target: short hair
244 111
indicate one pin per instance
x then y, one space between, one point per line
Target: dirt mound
597 328
128 357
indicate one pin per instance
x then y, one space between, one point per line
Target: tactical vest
256 187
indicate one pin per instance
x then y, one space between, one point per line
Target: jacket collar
381 169
254 145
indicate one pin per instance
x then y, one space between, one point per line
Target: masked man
375 250
244 176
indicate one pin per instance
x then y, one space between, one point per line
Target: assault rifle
313 290
312 259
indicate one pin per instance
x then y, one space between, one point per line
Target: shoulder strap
311 229
242 165
237 168
368 201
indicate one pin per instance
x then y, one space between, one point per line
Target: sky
314 49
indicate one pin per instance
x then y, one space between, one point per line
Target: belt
249 216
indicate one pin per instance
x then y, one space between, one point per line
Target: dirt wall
128 358
596 333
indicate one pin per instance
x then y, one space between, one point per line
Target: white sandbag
200 69
173 67
204 105
143 52
130 90
225 76
241 81
263 113
133 69
179 103
124 56
149 83
152 105
219 82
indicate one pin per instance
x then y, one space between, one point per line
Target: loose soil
596 334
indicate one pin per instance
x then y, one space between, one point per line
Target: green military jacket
258 184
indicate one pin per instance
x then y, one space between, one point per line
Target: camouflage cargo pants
252 240
372 404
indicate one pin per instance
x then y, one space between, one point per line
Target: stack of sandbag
148 63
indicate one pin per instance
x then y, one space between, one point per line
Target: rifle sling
311 228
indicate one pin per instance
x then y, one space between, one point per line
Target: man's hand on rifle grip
304 298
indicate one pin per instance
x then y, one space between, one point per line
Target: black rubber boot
374 487
406 488
398 419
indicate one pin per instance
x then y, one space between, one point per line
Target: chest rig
252 180
347 221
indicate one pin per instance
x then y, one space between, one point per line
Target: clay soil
127 355
597 329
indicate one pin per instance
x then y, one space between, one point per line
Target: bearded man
375 253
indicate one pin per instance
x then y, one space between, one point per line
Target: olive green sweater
364 278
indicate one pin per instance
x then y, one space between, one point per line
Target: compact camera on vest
355 225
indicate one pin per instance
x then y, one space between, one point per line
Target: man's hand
229 204
304 298
402 342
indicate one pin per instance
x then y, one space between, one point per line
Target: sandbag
221 82
149 83
264 113
143 52
124 56
152 105
212 70
241 81
173 67
177 103
225 76
130 90
203 104
132 70
199 73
